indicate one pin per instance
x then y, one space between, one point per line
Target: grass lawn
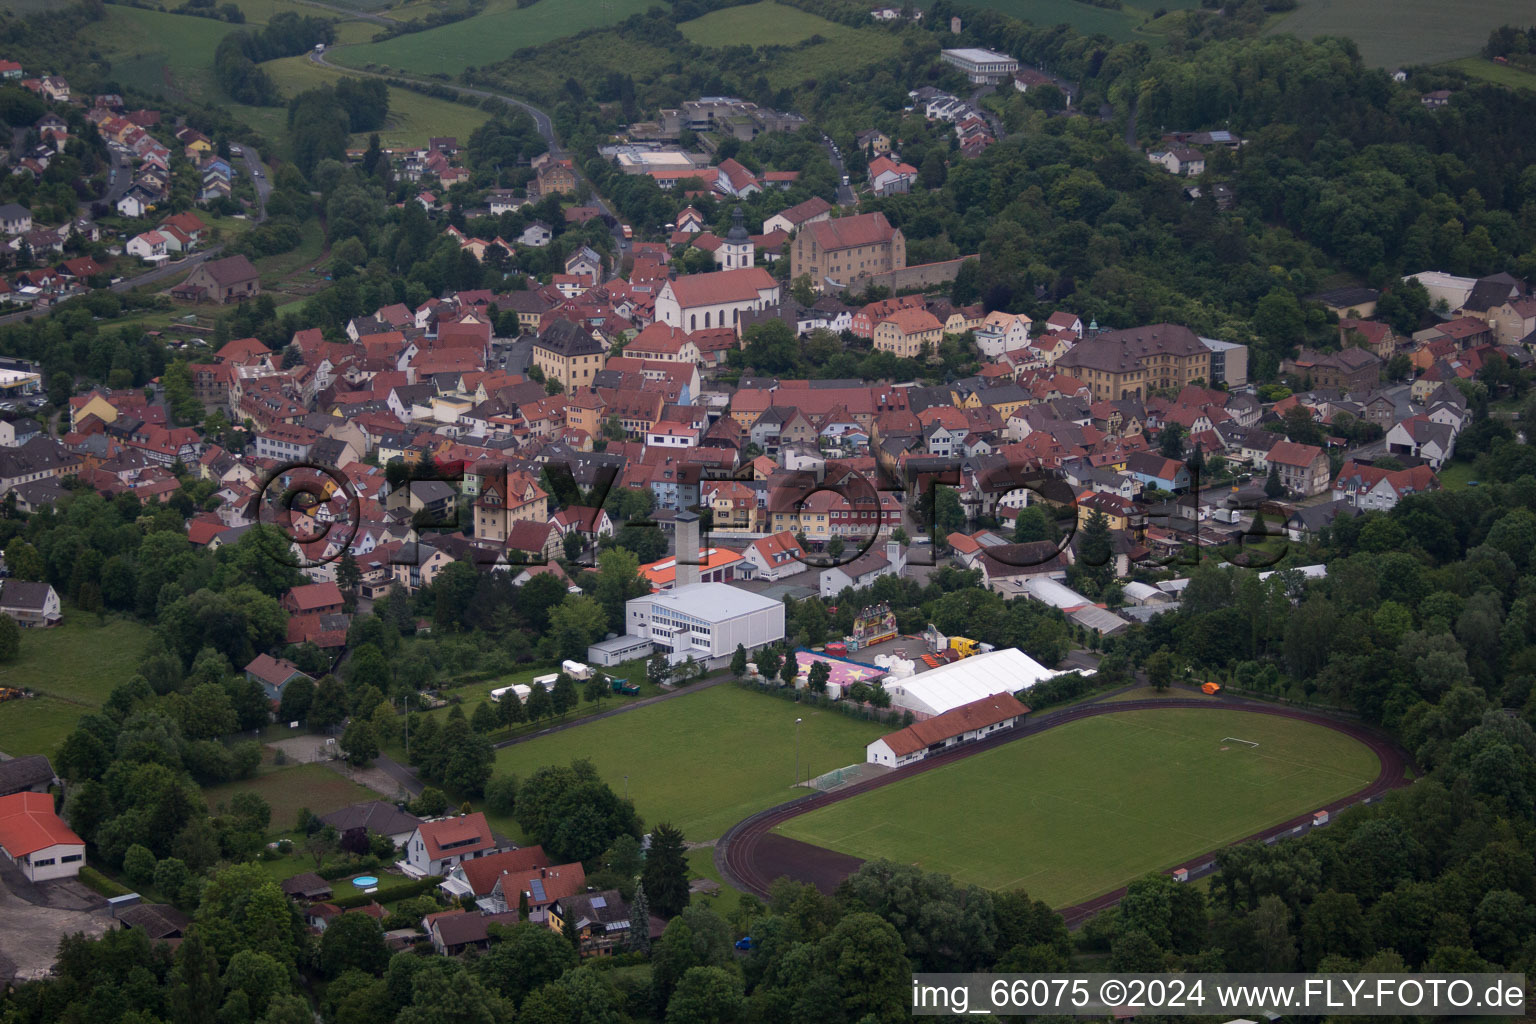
1418 32
1499 74
1092 804
756 25
413 118
74 666
1455 474
701 864
490 36
291 787
705 760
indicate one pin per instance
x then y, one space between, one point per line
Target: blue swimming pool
365 881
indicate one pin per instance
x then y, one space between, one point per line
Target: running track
750 856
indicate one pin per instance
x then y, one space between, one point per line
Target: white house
863 570
436 847
776 556
36 840
146 246
701 301
30 604
1422 438
536 234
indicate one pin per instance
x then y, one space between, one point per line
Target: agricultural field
413 117
74 667
291 787
541 78
488 37
758 24
842 51
1130 22
1082 808
1499 74
704 760
1418 32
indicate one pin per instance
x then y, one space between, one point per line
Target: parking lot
36 916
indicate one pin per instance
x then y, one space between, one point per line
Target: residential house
229 279
1371 489
863 570
596 923
888 177
811 211
436 847
907 333
566 353
273 674
1422 438
1303 469
776 556
36 840
30 604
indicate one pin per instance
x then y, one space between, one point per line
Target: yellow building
568 354
1133 362
905 332
507 499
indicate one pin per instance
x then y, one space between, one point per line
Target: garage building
36 840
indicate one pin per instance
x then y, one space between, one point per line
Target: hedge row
100 883
815 700
403 891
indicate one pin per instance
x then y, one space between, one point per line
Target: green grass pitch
1081 809
705 760
1416 32
74 667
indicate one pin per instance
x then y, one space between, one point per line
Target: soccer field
1083 808
705 760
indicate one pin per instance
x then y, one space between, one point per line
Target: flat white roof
713 602
1057 595
978 56
8 377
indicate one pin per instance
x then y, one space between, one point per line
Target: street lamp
797 751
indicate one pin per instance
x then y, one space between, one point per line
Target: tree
1170 441
352 942
298 695
329 707
789 671
1035 524
485 719
322 842
360 743
139 865
501 795
706 995
1096 552
1161 667
563 698
739 662
658 669
348 576
23 561
1273 488
768 663
640 921
539 704
820 674
576 625
665 875
594 690
10 639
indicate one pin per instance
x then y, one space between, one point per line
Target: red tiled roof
721 286
845 232
978 714
470 829
482 872
28 824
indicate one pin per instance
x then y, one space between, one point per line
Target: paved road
743 852
845 196
258 175
401 774
128 284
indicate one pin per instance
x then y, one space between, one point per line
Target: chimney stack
687 557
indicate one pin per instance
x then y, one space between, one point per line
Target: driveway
37 916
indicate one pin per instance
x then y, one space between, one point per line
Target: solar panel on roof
538 889
598 903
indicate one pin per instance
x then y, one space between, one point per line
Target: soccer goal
1234 739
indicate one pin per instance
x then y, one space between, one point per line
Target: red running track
751 857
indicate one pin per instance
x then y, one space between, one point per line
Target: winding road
750 856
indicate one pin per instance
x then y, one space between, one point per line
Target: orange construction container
1212 688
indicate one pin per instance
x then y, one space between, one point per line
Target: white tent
949 686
